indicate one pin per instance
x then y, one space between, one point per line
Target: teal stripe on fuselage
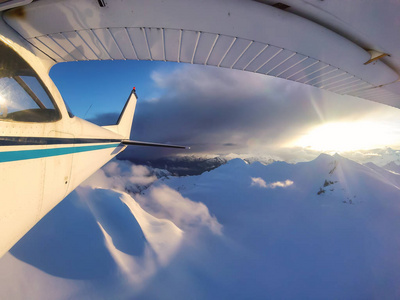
40 153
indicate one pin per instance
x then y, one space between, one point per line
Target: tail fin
124 123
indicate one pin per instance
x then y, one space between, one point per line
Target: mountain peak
392 166
337 155
236 162
324 157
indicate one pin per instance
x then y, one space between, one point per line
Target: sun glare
348 136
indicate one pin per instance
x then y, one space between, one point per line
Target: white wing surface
347 47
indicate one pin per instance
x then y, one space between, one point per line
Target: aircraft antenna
87 110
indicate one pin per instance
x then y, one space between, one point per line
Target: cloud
221 111
165 219
164 202
282 184
209 108
160 245
161 201
122 175
257 181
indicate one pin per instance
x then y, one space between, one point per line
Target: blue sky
222 111
105 84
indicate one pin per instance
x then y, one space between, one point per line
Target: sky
220 111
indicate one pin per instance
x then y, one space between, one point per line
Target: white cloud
257 181
163 235
163 240
99 180
164 202
142 180
141 175
112 167
140 171
161 201
210 82
121 175
282 184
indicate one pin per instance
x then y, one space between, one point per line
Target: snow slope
325 229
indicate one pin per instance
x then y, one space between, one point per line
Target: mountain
380 157
392 166
189 165
324 229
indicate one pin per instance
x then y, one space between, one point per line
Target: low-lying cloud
123 176
164 202
259 182
160 200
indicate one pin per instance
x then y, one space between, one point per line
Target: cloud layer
228 111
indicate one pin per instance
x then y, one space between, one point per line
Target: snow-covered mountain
380 157
325 229
392 166
184 165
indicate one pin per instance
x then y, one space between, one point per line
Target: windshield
23 97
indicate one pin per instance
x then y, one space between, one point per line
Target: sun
348 136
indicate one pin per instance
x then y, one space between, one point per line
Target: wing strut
137 143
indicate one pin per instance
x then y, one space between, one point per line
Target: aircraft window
38 90
23 97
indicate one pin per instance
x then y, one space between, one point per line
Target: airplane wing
346 47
